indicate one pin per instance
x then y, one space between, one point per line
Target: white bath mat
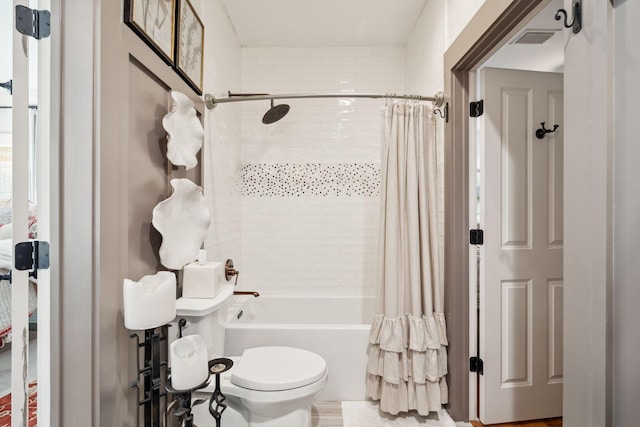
366 414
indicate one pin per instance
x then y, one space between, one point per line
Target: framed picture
154 21
190 45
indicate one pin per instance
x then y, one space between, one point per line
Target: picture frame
154 22
189 61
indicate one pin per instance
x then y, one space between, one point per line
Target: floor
326 414
329 414
551 422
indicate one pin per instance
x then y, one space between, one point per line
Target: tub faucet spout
254 293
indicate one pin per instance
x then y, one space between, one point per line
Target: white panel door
521 260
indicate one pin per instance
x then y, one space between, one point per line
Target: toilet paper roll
189 363
202 281
150 302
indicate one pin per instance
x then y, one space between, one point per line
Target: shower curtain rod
211 102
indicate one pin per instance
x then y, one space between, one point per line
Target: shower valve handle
229 271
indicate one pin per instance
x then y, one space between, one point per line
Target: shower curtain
407 351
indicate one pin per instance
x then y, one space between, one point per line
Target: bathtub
336 328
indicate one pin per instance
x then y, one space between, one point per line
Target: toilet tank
206 317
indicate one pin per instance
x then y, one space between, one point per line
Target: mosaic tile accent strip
310 179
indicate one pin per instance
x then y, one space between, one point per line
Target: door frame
48 164
588 259
494 23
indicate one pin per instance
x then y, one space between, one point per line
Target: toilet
266 386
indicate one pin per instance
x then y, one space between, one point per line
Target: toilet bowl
266 386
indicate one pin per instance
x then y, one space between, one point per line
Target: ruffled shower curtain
407 351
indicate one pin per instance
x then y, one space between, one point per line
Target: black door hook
540 133
576 23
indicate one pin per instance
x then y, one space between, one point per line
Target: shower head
275 113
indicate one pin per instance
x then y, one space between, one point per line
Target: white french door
521 268
28 136
20 132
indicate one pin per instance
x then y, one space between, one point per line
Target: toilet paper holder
230 271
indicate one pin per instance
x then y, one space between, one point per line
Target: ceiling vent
534 36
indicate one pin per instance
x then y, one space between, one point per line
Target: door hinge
476 237
32 255
476 108
476 365
8 86
33 23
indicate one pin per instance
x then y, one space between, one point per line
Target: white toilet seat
291 386
277 369
229 389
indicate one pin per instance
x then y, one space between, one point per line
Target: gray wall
132 176
113 172
588 233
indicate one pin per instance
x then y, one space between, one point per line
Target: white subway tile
355 51
312 233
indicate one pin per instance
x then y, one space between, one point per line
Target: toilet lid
277 368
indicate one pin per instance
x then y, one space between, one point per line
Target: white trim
43 188
473 266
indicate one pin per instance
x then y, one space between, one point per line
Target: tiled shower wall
310 183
